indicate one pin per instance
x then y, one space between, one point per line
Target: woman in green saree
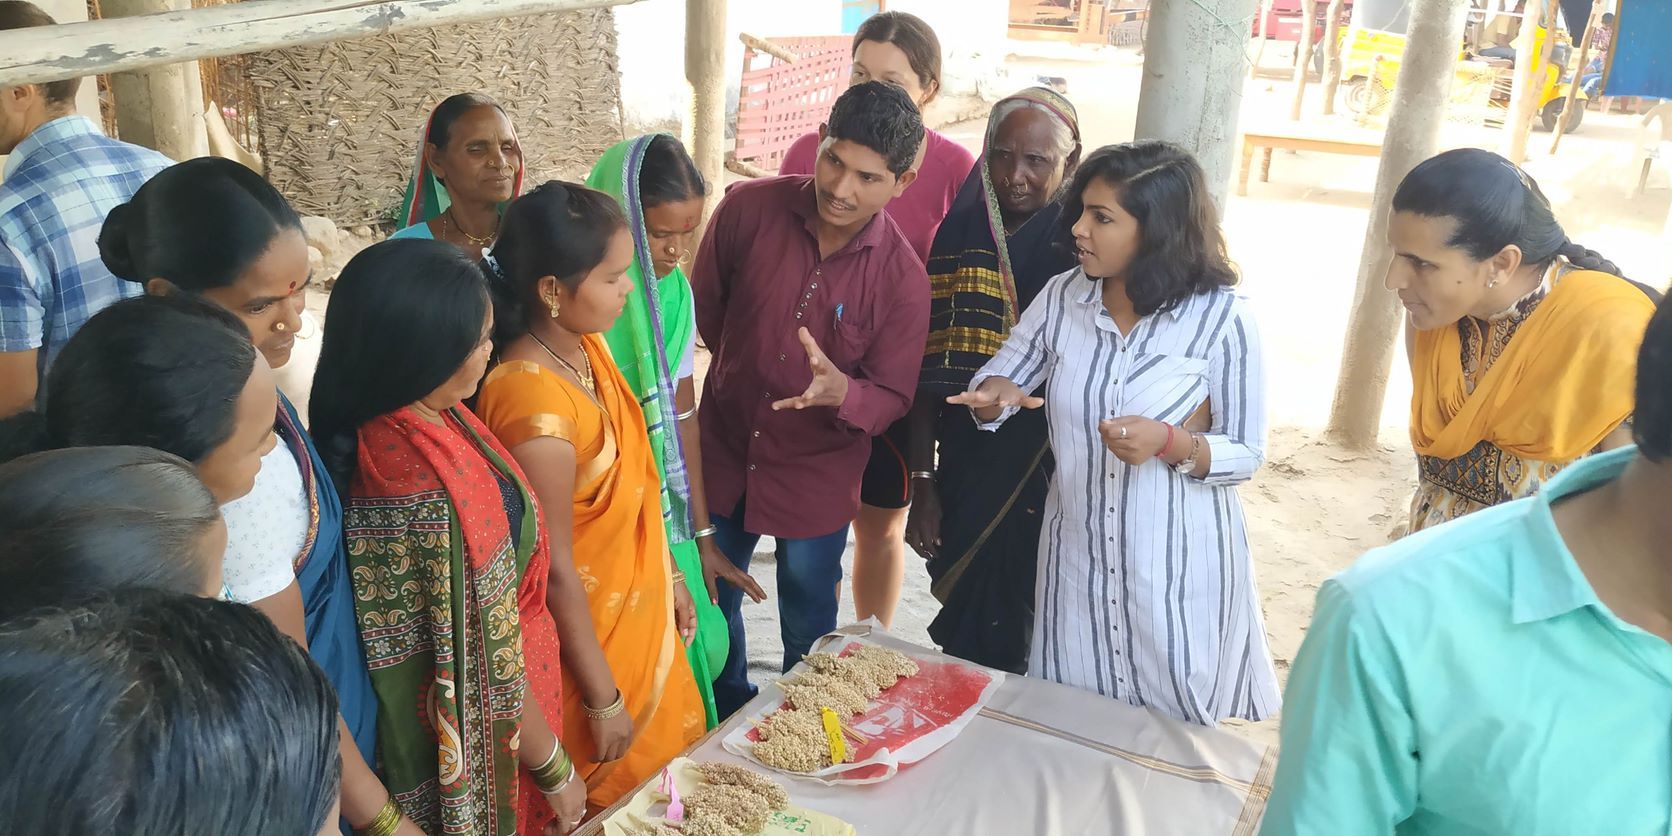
654 343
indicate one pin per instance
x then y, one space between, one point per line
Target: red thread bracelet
1169 446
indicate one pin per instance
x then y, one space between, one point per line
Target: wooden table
1041 759
1370 145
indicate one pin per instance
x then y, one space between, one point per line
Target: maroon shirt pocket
848 345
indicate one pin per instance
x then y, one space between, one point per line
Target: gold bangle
609 712
387 822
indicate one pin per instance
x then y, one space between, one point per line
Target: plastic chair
1654 142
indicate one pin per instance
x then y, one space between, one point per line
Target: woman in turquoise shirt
1507 673
469 165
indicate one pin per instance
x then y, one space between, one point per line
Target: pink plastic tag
676 809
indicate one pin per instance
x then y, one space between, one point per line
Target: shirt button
766 395
780 358
797 314
814 285
758 435
819 272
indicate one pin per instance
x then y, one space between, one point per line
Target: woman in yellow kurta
559 403
1523 344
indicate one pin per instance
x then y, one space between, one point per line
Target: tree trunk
1332 56
705 69
1192 87
161 107
1413 133
1523 97
1303 55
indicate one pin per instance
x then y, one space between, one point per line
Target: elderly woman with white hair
977 518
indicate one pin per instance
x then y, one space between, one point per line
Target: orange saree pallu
621 554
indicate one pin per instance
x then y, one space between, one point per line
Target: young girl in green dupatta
469 165
654 343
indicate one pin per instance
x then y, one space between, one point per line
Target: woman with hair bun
177 375
213 229
1522 343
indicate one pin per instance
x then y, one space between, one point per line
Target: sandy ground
1314 508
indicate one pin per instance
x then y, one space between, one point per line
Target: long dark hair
1495 204
559 229
159 371
91 519
1651 425
668 174
199 224
404 316
158 714
1181 250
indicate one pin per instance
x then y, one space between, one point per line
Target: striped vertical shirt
1145 590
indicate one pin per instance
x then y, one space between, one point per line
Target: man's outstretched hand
829 386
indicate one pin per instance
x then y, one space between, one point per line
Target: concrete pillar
1413 135
1194 61
161 107
705 69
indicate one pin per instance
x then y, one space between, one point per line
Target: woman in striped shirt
1145 590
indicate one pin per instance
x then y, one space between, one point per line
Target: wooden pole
1332 56
1578 73
75 50
1265 24
705 66
1413 134
160 107
1523 97
1303 55
1192 89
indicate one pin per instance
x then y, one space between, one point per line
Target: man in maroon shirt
816 309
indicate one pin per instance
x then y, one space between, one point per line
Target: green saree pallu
649 342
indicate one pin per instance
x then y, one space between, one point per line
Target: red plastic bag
903 725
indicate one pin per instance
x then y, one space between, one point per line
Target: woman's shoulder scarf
974 267
651 336
426 197
1565 381
437 581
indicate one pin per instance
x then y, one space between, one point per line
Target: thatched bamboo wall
339 123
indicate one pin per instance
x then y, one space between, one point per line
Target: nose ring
279 327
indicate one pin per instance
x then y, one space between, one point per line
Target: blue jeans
808 572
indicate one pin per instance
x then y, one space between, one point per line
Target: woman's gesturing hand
996 392
610 737
716 567
1135 439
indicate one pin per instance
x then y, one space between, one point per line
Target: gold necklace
586 378
453 221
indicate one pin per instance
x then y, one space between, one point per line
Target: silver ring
1123 431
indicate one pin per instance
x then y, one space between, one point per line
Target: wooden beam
1578 73
768 47
75 50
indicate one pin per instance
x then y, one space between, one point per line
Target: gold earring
553 303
